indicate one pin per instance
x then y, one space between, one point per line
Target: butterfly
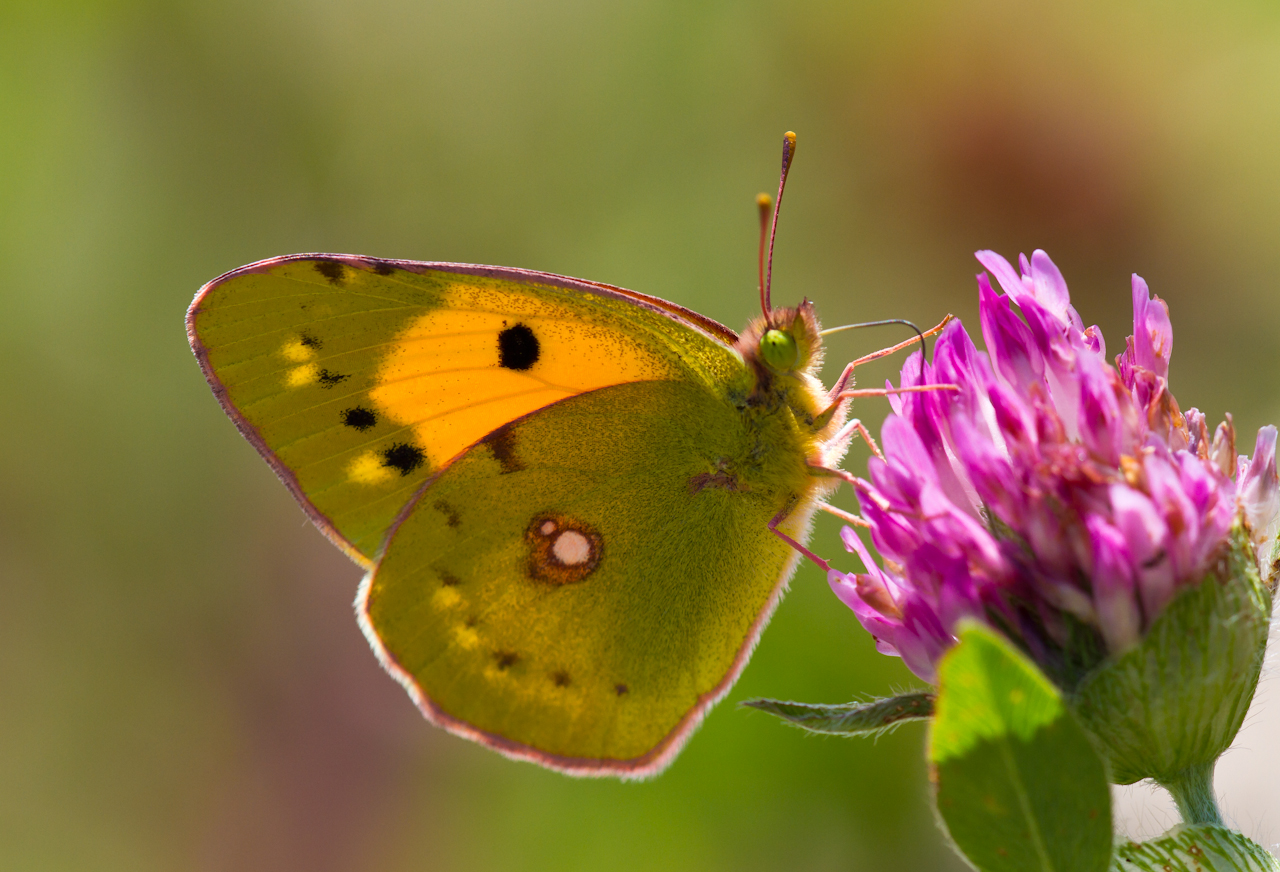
577 505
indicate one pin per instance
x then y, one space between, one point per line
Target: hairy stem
1192 790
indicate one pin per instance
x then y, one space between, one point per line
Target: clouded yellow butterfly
571 499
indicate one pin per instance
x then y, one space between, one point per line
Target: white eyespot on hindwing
571 548
562 549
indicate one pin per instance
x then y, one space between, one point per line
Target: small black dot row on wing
335 271
505 658
404 457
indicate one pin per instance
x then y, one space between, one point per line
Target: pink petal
1113 586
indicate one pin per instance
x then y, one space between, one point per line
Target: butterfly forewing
358 379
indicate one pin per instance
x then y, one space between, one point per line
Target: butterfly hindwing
579 586
359 378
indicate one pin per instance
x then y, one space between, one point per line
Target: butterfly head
779 350
785 342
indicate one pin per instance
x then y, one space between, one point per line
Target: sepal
1172 703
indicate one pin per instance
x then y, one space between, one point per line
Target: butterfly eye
779 350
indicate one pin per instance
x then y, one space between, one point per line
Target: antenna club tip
764 205
788 150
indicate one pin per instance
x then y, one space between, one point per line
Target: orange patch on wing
453 379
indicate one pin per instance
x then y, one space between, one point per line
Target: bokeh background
182 684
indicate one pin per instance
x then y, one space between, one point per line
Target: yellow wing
358 378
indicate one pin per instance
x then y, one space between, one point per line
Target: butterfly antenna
921 337
788 155
924 344
764 203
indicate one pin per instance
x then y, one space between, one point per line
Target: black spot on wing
329 378
451 516
502 444
620 689
517 347
360 418
309 340
382 268
561 678
332 270
448 579
403 457
506 659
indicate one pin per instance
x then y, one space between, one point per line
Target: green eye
778 348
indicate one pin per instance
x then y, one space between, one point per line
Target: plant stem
1192 790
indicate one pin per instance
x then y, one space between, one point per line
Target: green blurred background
182 684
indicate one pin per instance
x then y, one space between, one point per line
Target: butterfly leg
824 472
823 418
855 426
826 507
773 528
847 517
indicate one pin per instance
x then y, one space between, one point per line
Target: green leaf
1202 848
850 719
1018 784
